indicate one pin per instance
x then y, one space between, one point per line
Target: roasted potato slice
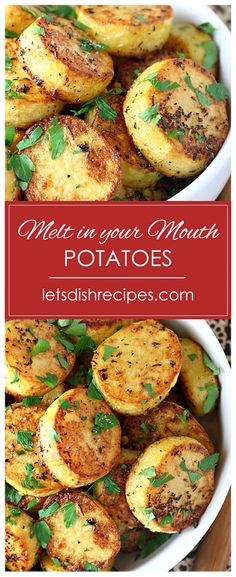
178 129
86 439
25 102
136 367
99 329
136 170
111 491
87 168
194 43
166 489
128 30
25 470
65 60
199 384
91 541
28 371
17 18
130 539
22 548
166 420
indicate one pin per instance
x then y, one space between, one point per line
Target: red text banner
117 260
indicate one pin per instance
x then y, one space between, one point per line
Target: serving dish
211 182
218 427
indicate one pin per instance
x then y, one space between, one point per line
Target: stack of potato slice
153 113
98 456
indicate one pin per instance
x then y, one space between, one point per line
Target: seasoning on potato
25 470
69 160
199 378
25 100
65 60
37 359
22 548
195 43
82 536
176 114
136 171
128 30
79 437
136 367
171 484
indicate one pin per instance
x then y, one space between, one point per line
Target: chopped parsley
87 45
62 360
166 519
183 417
15 378
162 480
9 93
50 379
31 140
140 18
147 545
12 494
178 132
108 351
70 514
151 114
209 363
9 135
56 138
207 27
149 515
49 510
90 567
11 34
42 532
84 344
104 421
29 481
193 475
54 436
150 390
31 401
37 30
149 472
25 438
201 97
211 53
8 62
192 356
106 112
208 463
64 404
60 337
110 485
93 392
212 396
32 504
76 328
41 346
23 168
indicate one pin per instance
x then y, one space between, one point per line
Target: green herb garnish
104 421
193 476
108 351
209 364
41 346
31 401
56 138
25 438
212 396
208 463
150 390
31 139
9 135
50 379
151 114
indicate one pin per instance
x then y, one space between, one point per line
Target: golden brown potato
53 564
199 384
136 170
22 548
136 367
101 329
25 102
72 67
91 540
25 470
194 43
173 120
128 30
166 420
17 18
34 353
79 438
86 168
167 490
110 492
52 395
130 539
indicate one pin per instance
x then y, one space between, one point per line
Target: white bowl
218 426
211 182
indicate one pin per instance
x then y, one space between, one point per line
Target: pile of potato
108 102
102 451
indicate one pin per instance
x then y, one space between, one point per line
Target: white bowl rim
174 550
219 170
